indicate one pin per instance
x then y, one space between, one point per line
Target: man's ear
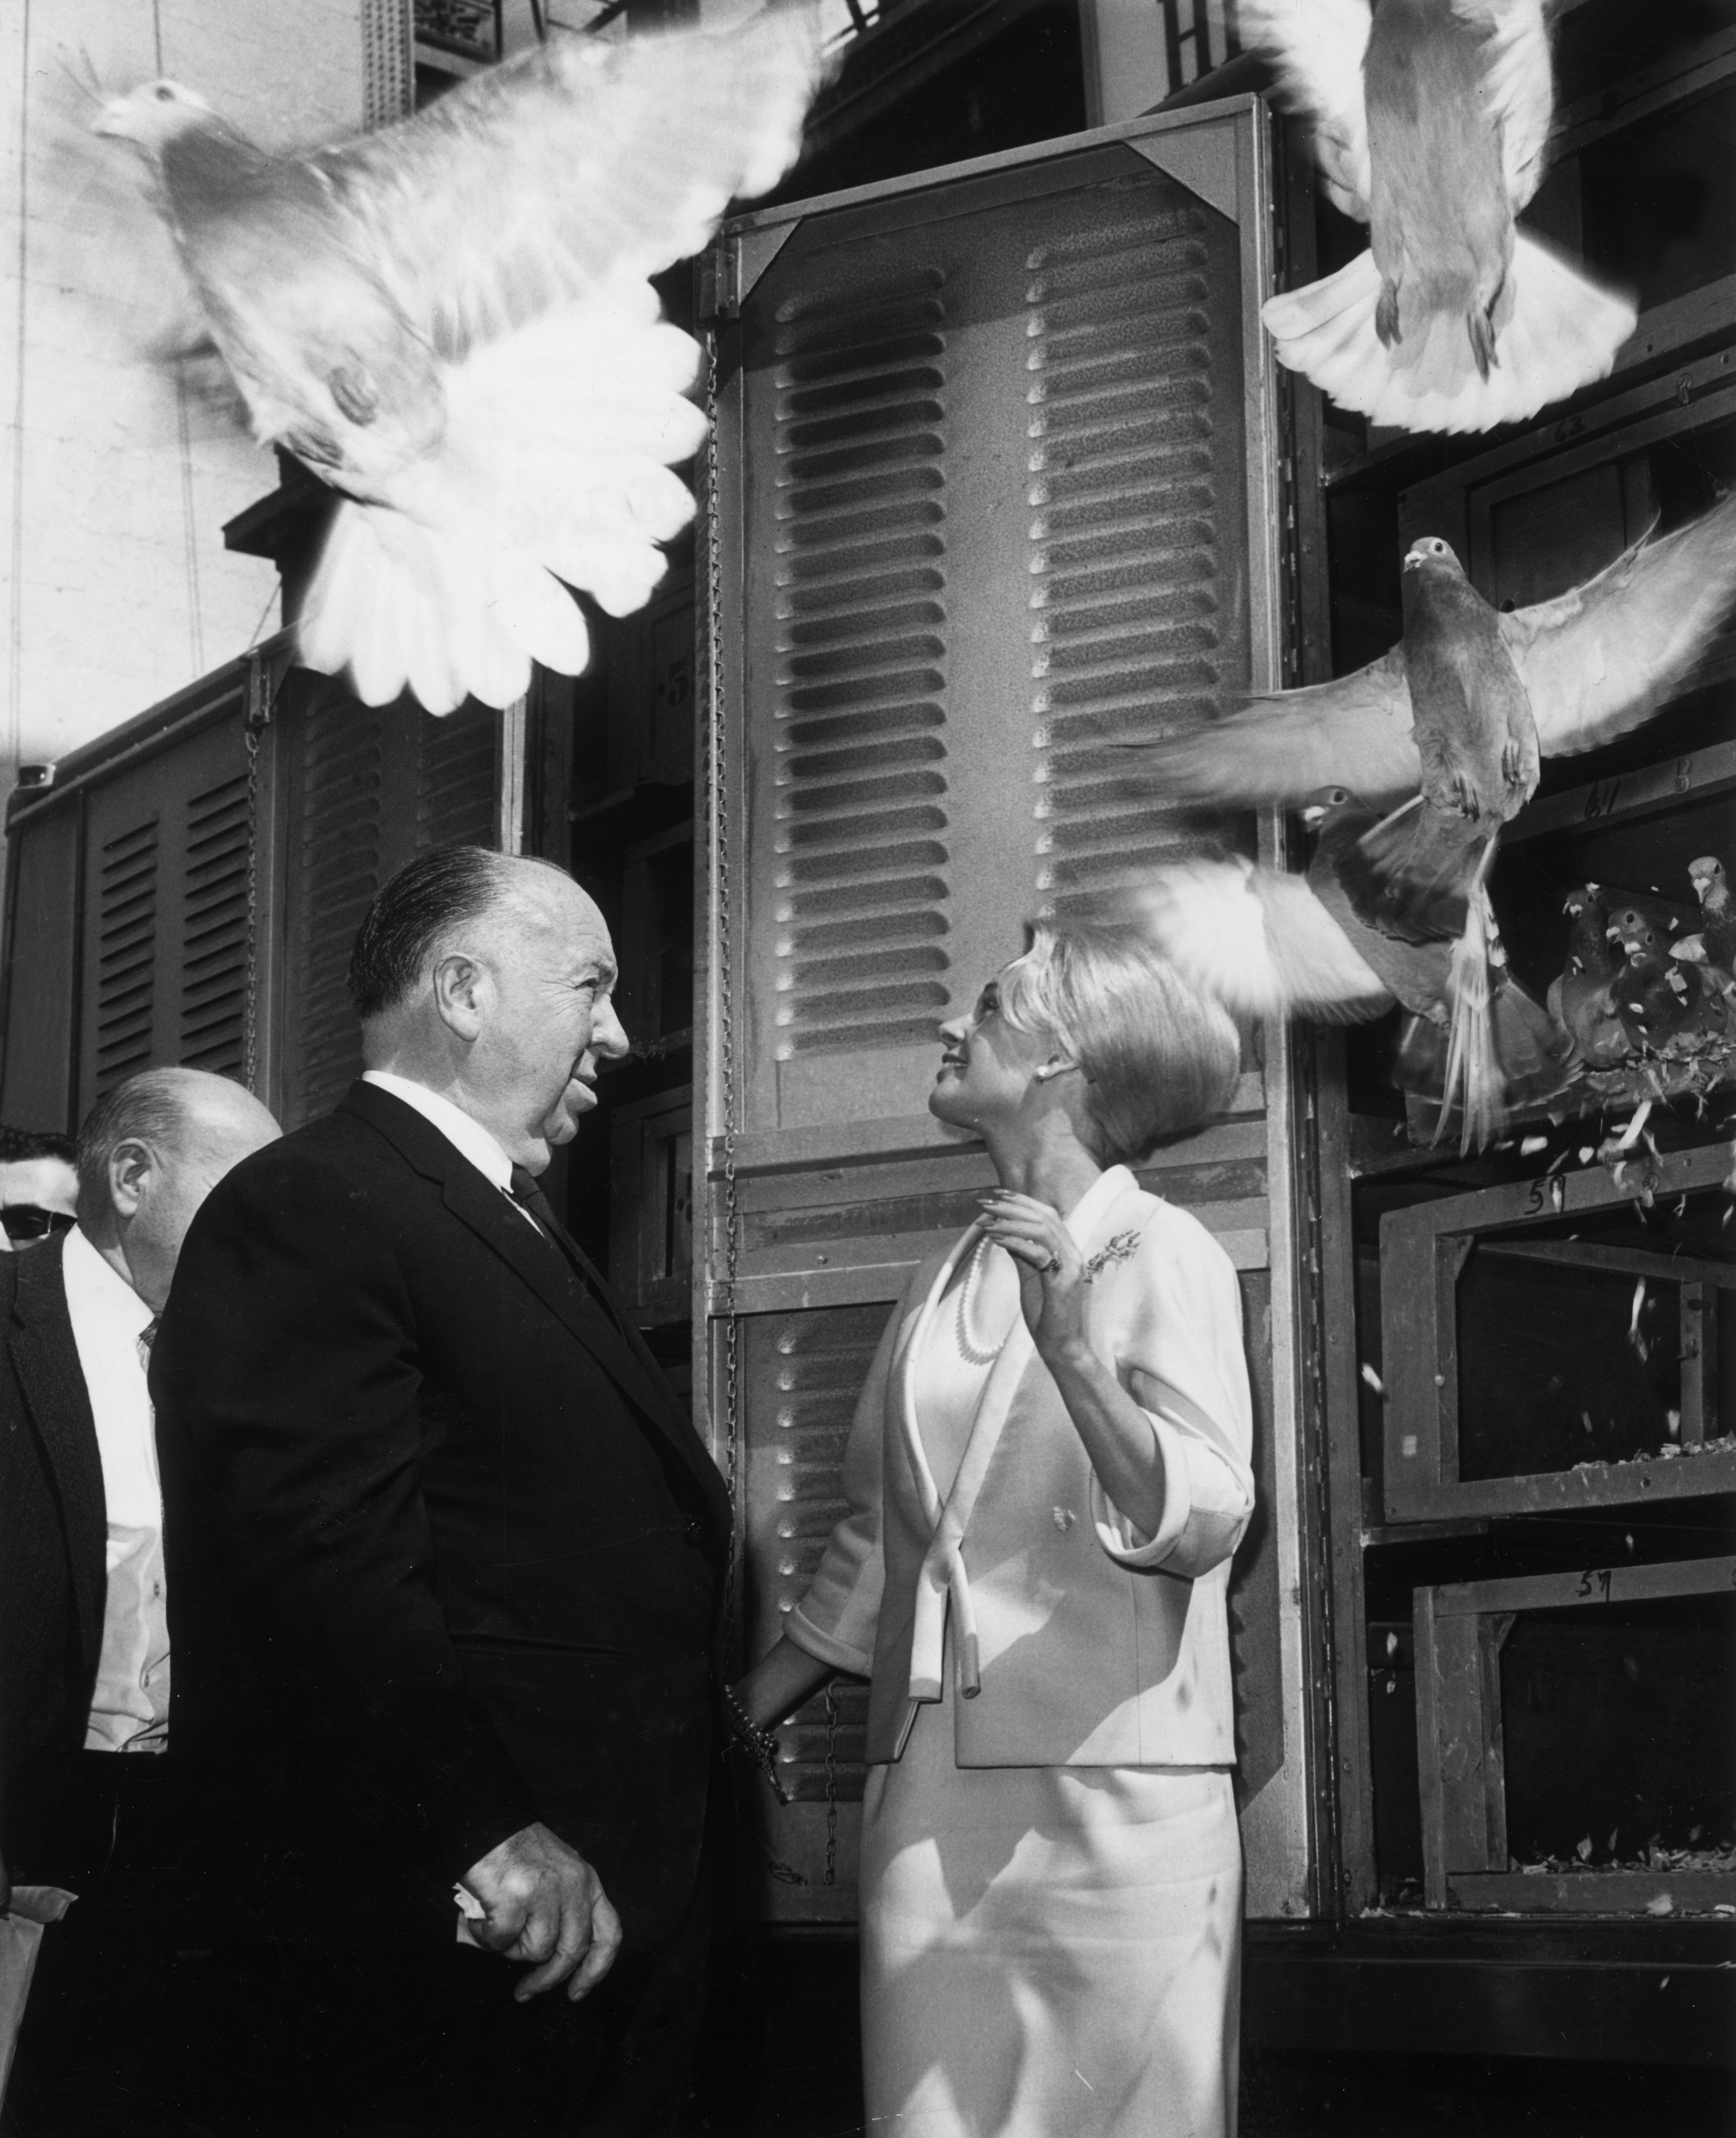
130 1166
460 982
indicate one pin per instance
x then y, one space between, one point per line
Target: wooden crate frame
1458 1631
1423 1249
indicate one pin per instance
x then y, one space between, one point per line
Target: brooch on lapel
1121 1248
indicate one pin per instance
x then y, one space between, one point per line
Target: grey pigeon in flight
1438 714
450 321
1429 119
1336 945
1454 720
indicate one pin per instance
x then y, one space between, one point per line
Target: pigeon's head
1326 805
1706 873
153 114
1432 553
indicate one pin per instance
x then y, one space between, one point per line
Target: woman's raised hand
1051 1271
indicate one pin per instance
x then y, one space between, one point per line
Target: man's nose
609 1036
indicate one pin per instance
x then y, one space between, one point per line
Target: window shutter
997 495
859 415
366 787
163 955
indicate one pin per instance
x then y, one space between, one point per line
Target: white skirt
1047 1952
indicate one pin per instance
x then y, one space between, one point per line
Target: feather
1257 938
1277 748
1453 320
1318 46
1604 657
451 322
1563 332
535 182
1518 85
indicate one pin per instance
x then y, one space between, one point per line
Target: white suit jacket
1092 1644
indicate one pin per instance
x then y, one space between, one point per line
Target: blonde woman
1047 1474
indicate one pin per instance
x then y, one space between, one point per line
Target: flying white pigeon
450 321
1429 119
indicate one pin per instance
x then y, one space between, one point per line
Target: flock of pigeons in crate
450 321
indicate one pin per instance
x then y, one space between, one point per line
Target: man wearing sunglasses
38 1187
84 1630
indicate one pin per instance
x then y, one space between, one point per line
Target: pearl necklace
974 1354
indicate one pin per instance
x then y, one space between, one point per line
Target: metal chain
722 889
257 719
723 885
831 1877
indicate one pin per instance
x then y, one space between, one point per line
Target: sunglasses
24 1221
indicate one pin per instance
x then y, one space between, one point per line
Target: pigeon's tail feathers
553 474
1503 1048
1471 1082
1561 333
433 611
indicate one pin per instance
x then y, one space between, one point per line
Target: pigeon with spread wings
451 322
1334 945
1428 120
1553 680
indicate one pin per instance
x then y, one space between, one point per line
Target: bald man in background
84 1638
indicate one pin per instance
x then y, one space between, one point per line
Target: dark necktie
527 1191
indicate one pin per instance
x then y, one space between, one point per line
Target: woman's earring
1053 1069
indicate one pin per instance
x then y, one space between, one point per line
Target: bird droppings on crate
1718 1857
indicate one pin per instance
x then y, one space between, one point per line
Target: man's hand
544 1903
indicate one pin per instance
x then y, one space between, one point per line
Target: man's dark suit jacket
472 1547
53 1532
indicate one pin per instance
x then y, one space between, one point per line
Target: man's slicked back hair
439 890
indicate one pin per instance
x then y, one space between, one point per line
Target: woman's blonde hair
1159 1056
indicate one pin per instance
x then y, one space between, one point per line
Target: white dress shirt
130 1711
467 1137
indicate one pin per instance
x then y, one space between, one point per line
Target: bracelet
761 1745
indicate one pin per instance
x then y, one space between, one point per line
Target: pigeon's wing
1317 46
1517 85
1602 658
539 181
1255 938
1356 731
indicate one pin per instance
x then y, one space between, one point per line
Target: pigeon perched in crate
1429 119
1664 1002
1717 932
1582 996
450 320
1339 946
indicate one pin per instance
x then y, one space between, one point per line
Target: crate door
994 498
364 788
163 951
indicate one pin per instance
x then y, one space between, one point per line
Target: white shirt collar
467 1136
96 1288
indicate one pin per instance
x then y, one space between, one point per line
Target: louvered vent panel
804 1372
455 779
126 949
1124 474
214 940
339 835
862 786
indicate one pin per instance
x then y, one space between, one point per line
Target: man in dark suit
84 1649
415 1456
